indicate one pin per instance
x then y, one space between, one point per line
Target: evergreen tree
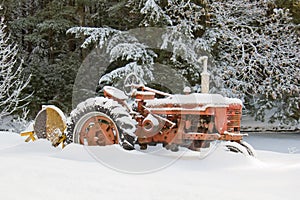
51 56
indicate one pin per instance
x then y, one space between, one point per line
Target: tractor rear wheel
101 121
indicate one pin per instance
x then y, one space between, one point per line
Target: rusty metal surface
98 131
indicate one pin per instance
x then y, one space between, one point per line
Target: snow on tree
180 36
153 13
12 81
126 46
118 46
254 47
182 21
257 57
183 24
121 73
94 36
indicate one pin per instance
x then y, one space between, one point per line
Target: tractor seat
115 93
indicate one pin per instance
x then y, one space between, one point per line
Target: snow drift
36 170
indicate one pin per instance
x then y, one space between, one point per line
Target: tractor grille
234 118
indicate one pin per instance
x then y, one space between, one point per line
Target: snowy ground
38 171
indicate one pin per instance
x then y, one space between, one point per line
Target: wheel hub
98 131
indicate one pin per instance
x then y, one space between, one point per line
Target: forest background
253 46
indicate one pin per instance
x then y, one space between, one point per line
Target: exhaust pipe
204 75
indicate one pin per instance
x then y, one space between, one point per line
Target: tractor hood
196 99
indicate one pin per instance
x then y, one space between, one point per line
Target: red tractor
144 116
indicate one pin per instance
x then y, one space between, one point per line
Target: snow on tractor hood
195 98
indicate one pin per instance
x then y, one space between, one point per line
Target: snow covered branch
154 14
258 55
12 81
94 35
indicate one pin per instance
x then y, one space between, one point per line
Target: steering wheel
131 82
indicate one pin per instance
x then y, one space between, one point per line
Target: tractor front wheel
240 147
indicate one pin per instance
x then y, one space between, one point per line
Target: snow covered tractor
143 116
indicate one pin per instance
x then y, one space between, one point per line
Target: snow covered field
37 171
